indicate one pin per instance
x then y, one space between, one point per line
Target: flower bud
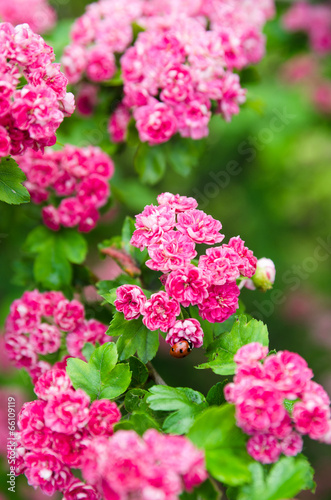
265 274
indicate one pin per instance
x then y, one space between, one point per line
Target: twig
154 374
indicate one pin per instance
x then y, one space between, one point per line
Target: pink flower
155 122
31 416
292 444
101 64
118 124
220 265
311 417
130 300
151 224
174 250
4 142
232 96
46 339
248 262
160 312
70 212
177 202
187 285
94 190
87 99
288 372
258 408
194 117
19 350
54 381
250 352
221 303
79 490
198 226
102 417
50 301
51 217
177 84
44 469
188 329
67 412
264 448
89 219
69 314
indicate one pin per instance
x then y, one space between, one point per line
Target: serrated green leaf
11 178
216 432
225 347
135 400
215 395
150 163
127 231
139 371
148 344
142 422
88 350
286 478
206 491
37 239
51 267
186 404
117 382
100 378
74 246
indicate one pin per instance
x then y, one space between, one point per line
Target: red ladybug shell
181 349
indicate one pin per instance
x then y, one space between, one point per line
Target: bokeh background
266 176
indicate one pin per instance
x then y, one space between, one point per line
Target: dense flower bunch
181 64
38 14
155 466
33 97
315 20
77 175
277 402
37 324
170 232
54 432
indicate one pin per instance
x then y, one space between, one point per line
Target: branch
154 374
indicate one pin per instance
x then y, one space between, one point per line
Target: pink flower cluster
153 467
262 386
77 175
170 232
36 326
33 97
54 432
173 71
315 20
38 14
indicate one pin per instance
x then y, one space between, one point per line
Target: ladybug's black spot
181 351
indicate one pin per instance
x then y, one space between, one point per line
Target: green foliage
11 178
184 403
150 163
216 432
283 481
133 337
101 377
206 491
215 396
54 253
223 349
139 371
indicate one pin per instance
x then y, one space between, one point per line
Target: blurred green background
267 177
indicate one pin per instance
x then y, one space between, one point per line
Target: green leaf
284 481
88 350
74 246
37 239
183 155
100 378
148 344
150 163
11 178
118 381
127 232
225 347
216 432
109 296
184 402
211 330
215 395
139 371
142 422
51 267
206 491
135 400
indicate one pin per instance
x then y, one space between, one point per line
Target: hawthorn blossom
188 329
173 251
130 300
188 285
160 312
221 303
200 227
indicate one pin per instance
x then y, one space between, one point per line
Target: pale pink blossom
91 331
151 224
54 381
247 265
173 251
220 265
118 124
200 227
250 352
177 202
68 411
69 314
187 285
46 339
155 122
221 303
103 415
264 448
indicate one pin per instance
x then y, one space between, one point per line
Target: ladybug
181 349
